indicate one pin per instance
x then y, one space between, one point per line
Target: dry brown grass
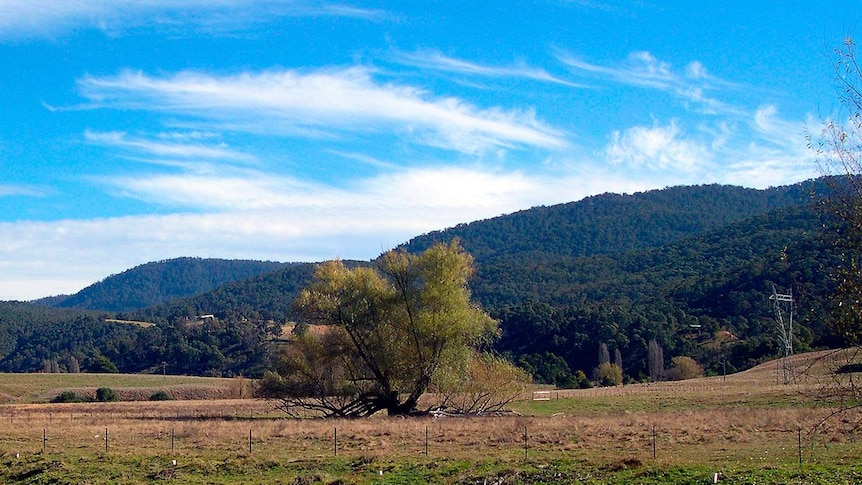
710 436
30 388
131 322
746 420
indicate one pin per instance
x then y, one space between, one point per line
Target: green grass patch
645 403
246 469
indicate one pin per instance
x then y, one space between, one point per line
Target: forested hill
268 296
648 275
160 282
706 296
613 223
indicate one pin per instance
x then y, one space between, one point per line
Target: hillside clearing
130 322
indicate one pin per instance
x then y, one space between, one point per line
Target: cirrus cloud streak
329 101
46 18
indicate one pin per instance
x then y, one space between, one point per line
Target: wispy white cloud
779 131
419 189
657 147
341 10
759 151
437 61
732 144
366 159
29 18
642 69
180 149
184 136
346 100
218 190
696 70
639 69
7 190
775 153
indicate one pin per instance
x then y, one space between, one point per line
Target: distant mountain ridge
267 296
159 282
614 223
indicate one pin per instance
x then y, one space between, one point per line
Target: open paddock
744 427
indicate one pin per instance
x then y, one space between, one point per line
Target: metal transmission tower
783 306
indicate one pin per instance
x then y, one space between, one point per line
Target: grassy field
33 388
747 427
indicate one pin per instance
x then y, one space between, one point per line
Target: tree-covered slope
647 273
160 282
18 318
245 315
555 314
613 223
267 296
37 338
717 279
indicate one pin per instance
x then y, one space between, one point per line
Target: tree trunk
394 406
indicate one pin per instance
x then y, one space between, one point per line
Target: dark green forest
44 339
162 281
691 268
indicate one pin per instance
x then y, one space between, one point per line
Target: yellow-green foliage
607 374
482 383
684 368
393 329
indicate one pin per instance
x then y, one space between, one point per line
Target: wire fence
754 438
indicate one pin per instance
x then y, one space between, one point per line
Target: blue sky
141 130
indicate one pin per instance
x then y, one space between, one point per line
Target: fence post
525 443
106 439
335 441
172 440
426 440
799 443
249 441
44 439
653 443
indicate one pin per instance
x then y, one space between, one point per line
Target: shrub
582 380
161 396
241 388
607 374
106 394
102 364
684 368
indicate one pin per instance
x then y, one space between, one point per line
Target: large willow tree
388 333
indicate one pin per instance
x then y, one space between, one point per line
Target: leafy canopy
390 331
